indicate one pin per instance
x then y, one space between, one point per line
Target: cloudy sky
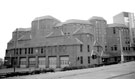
19 13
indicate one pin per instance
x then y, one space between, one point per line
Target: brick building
126 18
118 43
50 43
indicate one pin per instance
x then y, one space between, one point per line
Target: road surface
119 71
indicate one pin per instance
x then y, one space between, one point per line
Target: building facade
50 43
127 19
99 31
118 43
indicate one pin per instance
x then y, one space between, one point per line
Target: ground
119 71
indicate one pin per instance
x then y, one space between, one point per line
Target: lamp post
121 50
14 60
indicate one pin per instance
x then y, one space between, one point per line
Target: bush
66 68
24 73
91 66
73 68
42 71
11 74
50 70
36 72
2 75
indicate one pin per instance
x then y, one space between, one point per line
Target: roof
95 44
105 55
96 18
77 21
129 54
94 52
53 42
11 41
38 41
22 29
56 32
83 30
46 17
71 41
116 25
68 40
25 37
112 54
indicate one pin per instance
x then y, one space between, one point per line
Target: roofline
45 17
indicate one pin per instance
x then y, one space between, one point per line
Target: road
119 71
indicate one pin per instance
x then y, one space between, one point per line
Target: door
23 62
64 61
52 62
41 63
32 62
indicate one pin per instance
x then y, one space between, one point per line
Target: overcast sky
19 13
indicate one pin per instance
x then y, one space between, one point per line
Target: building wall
42 27
99 30
87 49
113 40
119 18
15 36
126 18
28 52
69 28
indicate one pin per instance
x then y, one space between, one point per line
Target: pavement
7 70
119 71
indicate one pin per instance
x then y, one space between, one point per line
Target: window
41 50
128 48
81 60
98 49
115 47
133 48
88 48
13 51
114 31
105 48
25 50
78 58
6 52
81 48
123 48
128 42
94 56
17 51
45 50
88 59
112 48
20 50
31 50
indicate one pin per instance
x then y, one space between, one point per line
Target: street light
14 60
122 56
